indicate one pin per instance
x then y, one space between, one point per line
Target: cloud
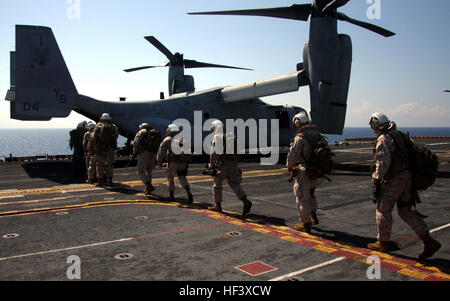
364 109
406 108
406 114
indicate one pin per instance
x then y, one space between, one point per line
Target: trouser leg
306 203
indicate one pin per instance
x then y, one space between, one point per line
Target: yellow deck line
59 189
321 246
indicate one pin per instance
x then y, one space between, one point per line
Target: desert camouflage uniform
174 167
304 186
104 154
88 146
228 169
397 189
145 158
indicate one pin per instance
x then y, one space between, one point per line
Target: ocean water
366 132
31 142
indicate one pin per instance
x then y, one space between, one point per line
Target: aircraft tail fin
41 85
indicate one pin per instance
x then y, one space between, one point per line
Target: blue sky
403 76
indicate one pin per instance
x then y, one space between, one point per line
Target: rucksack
320 163
182 157
105 136
76 138
154 139
424 165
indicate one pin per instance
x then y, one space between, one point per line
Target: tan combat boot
379 246
146 188
172 196
247 206
150 189
430 247
189 195
306 227
217 207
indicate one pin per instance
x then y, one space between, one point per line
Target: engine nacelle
327 62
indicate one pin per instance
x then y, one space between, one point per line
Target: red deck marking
178 230
256 268
394 264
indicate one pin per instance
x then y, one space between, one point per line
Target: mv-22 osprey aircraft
42 88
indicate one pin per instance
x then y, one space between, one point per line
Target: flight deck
50 222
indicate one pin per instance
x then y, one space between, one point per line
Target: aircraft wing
272 86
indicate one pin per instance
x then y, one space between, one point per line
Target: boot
149 188
314 219
146 188
189 195
109 181
379 246
430 247
303 227
217 207
100 183
172 196
247 206
90 181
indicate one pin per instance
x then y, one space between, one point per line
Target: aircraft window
283 117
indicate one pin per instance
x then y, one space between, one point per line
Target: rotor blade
334 5
371 27
146 67
195 64
299 12
446 90
161 47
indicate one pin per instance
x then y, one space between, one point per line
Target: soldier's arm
97 131
382 158
294 153
213 156
162 152
135 144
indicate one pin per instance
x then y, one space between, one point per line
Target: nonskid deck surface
119 234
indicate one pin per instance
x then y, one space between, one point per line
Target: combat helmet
105 117
379 121
215 125
301 119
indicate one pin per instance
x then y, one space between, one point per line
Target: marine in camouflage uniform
145 158
227 169
88 147
304 186
394 179
104 150
177 165
76 143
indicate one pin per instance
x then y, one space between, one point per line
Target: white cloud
405 114
364 109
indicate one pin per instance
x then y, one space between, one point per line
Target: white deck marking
67 249
308 269
440 228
